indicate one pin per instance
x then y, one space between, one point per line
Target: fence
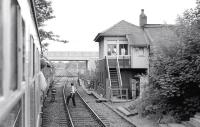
123 93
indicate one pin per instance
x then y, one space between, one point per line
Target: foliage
48 69
44 12
175 79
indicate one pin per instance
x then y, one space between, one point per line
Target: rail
95 116
17 118
70 118
93 113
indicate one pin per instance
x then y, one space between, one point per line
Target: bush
175 78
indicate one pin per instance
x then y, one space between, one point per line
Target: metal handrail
108 71
119 73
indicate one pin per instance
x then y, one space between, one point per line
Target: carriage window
1 49
37 60
14 38
23 50
123 49
30 55
33 59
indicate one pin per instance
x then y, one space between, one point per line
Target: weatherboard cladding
134 34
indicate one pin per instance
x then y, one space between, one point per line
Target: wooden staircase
115 77
114 82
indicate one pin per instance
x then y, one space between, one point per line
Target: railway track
104 112
58 114
54 113
82 115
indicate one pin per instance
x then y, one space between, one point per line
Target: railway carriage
20 48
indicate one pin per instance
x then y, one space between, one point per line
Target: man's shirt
73 89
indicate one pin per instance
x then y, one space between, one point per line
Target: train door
1 47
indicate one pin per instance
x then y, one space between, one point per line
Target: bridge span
88 57
72 56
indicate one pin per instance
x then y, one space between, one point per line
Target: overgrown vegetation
44 12
174 87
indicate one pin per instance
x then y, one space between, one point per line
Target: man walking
72 94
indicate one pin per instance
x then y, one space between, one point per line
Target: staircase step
113 71
114 81
113 76
115 85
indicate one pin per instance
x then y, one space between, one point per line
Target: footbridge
88 57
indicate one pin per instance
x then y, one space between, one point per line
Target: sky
79 21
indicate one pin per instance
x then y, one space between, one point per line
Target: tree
44 12
175 78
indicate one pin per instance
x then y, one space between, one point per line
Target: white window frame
117 43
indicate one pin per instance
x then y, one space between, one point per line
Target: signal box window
123 49
140 51
112 50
